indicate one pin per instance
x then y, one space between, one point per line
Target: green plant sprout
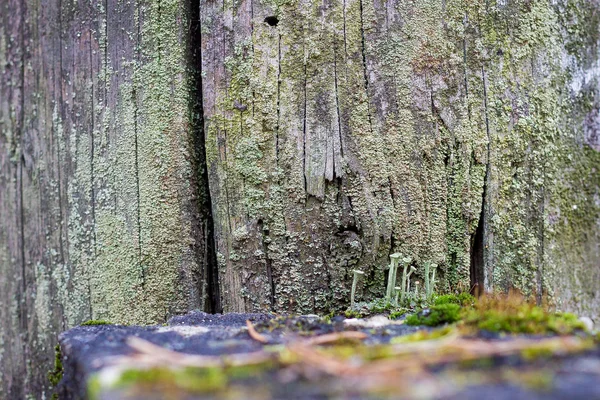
357 273
407 289
394 258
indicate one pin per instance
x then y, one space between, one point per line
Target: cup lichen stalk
427 266
398 290
432 282
405 262
392 275
407 289
416 289
389 283
357 273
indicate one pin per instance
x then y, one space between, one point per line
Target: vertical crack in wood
464 43
204 237
345 39
277 127
92 150
23 300
477 268
136 150
62 235
337 106
137 184
268 262
364 61
304 126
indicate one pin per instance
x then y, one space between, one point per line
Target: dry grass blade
255 335
336 337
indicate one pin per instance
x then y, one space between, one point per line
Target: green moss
186 380
352 314
462 299
424 335
94 387
397 313
436 315
93 322
532 320
56 375
379 306
195 380
513 314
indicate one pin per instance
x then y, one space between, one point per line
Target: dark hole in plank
272 20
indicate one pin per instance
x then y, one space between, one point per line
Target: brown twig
255 335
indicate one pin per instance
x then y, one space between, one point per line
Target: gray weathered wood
101 215
463 133
451 132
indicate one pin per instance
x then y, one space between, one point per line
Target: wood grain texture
100 203
310 144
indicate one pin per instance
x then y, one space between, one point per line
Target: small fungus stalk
357 273
417 290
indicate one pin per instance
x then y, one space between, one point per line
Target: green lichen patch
180 381
194 380
422 335
93 322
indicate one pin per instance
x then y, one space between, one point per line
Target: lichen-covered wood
330 134
100 201
455 132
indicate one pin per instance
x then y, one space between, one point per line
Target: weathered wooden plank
101 203
426 128
335 133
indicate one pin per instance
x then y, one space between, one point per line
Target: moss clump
187 380
352 314
93 322
56 375
462 299
397 313
194 380
353 351
436 315
514 314
424 335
